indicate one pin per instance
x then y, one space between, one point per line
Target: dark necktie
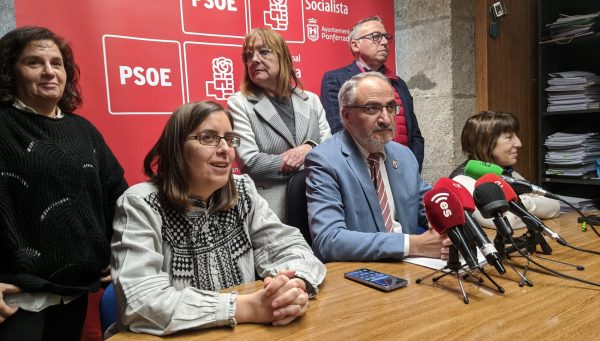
380 188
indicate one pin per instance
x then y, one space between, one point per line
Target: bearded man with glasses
369 43
364 191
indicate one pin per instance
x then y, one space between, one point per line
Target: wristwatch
310 290
310 143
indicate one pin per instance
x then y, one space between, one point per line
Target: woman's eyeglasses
263 52
209 139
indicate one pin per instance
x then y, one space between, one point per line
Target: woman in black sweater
59 182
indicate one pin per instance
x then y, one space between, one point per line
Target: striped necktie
373 159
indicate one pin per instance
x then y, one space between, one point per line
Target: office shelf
579 54
560 180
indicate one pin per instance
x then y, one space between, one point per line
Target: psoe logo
277 15
313 29
442 200
221 87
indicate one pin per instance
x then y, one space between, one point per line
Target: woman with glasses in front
278 121
194 229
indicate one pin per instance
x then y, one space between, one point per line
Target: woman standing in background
279 123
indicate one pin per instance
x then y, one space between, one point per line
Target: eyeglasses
376 109
263 52
377 36
208 139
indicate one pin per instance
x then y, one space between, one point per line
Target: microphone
481 239
476 169
445 215
516 208
490 201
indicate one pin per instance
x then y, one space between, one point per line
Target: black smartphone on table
375 279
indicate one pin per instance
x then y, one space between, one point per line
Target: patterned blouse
168 265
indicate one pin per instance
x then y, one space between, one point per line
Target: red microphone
446 216
509 193
480 238
463 194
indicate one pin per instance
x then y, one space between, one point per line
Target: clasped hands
282 299
292 159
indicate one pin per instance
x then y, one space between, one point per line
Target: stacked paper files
573 90
568 27
572 155
582 204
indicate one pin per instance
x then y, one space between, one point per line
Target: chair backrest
296 213
108 308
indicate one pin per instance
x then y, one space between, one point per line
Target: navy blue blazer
346 223
330 87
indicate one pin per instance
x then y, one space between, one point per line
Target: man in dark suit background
368 42
364 191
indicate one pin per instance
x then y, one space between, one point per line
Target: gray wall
435 55
7 16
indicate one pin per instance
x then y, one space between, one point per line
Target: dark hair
165 165
14 43
276 43
481 132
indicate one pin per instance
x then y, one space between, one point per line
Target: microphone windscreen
476 169
443 209
509 193
463 194
487 193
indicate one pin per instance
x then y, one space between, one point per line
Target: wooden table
553 309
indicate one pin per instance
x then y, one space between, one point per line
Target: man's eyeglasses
263 52
377 36
376 109
209 139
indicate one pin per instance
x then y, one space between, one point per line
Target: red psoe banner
284 16
213 71
219 18
139 58
142 75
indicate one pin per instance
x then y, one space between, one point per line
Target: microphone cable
581 249
588 221
538 227
512 241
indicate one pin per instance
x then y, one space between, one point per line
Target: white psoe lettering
141 76
221 5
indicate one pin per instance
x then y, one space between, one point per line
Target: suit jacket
345 218
330 87
265 136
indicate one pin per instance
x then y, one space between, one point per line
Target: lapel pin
395 164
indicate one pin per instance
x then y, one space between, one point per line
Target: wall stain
421 82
